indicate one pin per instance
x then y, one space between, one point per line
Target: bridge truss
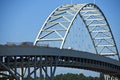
57 27
58 24
45 60
55 30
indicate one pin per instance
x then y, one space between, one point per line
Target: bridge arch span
56 29
58 24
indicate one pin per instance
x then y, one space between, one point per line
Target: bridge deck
67 58
34 50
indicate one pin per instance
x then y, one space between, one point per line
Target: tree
70 76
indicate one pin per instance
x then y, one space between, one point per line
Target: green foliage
70 76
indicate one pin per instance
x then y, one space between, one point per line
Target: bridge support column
43 67
50 70
107 77
102 76
41 76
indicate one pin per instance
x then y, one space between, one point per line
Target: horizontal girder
11 56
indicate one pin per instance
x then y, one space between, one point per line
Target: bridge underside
42 58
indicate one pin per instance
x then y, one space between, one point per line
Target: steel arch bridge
94 20
56 29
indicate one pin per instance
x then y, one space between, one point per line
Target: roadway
59 57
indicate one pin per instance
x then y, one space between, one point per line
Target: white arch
94 20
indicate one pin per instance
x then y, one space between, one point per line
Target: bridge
19 61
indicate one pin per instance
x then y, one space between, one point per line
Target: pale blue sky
20 20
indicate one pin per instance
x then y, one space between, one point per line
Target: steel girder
59 23
33 64
24 67
31 59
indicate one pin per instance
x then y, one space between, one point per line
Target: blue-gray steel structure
44 56
18 61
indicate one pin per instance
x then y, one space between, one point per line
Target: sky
21 20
